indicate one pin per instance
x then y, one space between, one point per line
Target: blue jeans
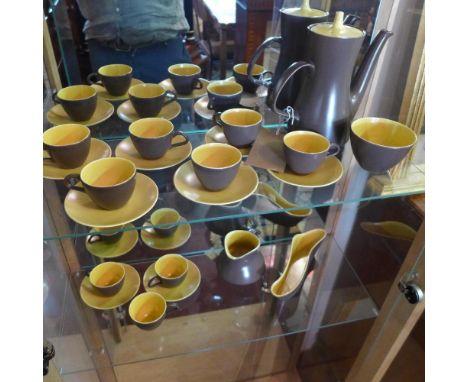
149 63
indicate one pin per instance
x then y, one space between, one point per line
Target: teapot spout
364 73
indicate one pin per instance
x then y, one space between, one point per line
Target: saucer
329 172
110 250
178 239
96 300
180 292
196 93
57 115
81 209
103 93
127 113
216 135
99 149
187 184
126 149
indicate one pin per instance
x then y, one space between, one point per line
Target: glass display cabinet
352 314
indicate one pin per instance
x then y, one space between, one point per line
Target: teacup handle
172 308
198 85
265 44
55 98
210 105
148 227
186 140
46 158
217 119
93 79
153 281
172 97
93 238
333 150
71 180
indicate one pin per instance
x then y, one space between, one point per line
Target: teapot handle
283 80
265 44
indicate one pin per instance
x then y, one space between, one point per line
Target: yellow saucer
178 239
81 209
196 93
108 251
102 92
126 112
201 108
329 172
216 135
96 300
99 149
126 149
57 115
187 184
188 287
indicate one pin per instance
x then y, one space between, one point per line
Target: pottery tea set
108 193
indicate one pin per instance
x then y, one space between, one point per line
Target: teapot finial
305 5
338 22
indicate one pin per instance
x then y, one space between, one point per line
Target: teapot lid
305 11
337 29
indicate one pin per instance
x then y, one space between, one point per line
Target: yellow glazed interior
184 69
147 307
171 266
108 172
151 127
216 155
241 117
240 243
115 70
306 142
146 90
225 88
76 93
276 198
107 274
337 29
164 216
63 135
384 132
242 69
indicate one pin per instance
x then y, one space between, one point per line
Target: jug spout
364 73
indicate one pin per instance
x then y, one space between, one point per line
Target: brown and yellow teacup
170 270
216 165
68 145
148 310
109 182
78 101
107 278
240 74
149 99
223 95
152 137
108 235
164 221
240 126
116 78
185 77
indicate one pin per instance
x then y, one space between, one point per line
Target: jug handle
265 44
283 80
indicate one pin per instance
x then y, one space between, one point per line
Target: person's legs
101 55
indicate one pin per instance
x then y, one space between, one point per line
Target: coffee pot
329 94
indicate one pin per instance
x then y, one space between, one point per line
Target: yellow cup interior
108 172
151 127
64 135
242 69
107 274
306 142
241 117
238 243
146 90
384 132
184 69
164 216
216 155
171 266
76 93
225 88
115 70
147 307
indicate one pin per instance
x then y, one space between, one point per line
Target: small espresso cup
185 77
107 278
108 235
170 270
216 165
223 95
166 220
109 182
148 310
240 74
152 137
305 150
68 145
116 78
78 101
149 99
240 126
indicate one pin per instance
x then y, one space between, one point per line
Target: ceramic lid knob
337 29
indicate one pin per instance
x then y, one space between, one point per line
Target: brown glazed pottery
68 145
216 165
109 182
107 278
170 271
78 101
223 95
379 144
152 137
185 77
116 78
149 99
305 150
167 218
240 74
147 310
240 126
108 235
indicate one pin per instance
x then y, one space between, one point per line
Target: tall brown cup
149 99
116 78
241 126
78 101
